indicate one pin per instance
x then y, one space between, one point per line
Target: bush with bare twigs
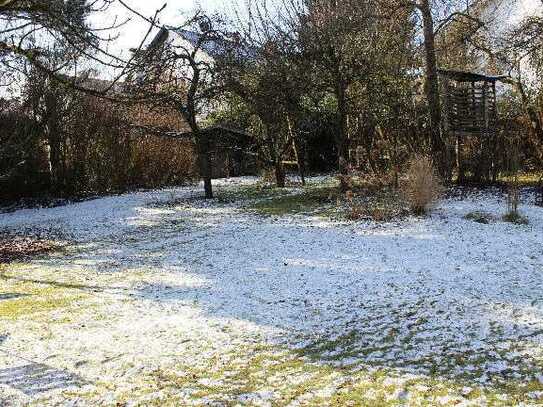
513 200
422 186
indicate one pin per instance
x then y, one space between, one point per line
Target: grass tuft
480 217
515 218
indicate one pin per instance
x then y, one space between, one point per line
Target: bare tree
523 53
178 69
326 53
35 32
338 37
268 73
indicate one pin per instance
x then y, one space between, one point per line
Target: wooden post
447 131
301 166
298 160
494 133
485 142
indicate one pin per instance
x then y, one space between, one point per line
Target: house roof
215 46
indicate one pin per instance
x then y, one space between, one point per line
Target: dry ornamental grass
422 186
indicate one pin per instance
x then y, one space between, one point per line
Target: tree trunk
280 177
432 88
342 138
54 140
299 160
55 162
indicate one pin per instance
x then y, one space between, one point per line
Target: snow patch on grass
163 298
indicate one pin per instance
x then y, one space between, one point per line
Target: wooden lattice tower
470 116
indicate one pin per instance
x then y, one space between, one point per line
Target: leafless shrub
513 199
355 210
97 147
422 186
346 182
157 161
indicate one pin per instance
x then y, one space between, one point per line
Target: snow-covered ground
161 298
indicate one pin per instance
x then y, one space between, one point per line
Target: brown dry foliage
103 147
355 211
382 207
157 161
422 186
14 248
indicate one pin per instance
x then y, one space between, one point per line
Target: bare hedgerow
422 186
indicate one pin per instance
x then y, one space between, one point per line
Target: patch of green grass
311 199
526 179
322 198
372 391
335 349
249 371
250 192
224 378
30 298
326 200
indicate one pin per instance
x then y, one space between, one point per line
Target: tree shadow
56 284
12 296
35 378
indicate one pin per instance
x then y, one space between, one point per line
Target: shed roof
465 76
220 128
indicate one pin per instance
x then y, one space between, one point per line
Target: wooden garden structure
470 119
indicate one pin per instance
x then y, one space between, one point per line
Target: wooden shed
231 150
470 118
